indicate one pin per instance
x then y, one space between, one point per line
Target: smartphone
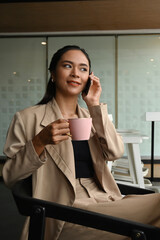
88 84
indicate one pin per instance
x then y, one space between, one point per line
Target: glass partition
139 85
22 77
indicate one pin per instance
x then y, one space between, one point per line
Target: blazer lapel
62 153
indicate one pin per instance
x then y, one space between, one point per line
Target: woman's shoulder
32 109
30 113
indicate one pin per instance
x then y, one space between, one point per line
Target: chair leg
138 235
37 223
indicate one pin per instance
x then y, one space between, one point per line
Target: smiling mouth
74 83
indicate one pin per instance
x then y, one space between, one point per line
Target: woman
38 144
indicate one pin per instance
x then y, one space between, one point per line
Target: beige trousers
140 208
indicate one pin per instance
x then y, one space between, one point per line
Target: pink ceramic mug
80 128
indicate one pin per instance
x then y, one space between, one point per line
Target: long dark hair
51 88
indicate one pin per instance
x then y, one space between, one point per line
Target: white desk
132 139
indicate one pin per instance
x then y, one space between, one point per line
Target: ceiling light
43 43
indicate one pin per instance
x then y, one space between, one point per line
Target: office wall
128 68
22 77
73 16
23 72
139 85
79 16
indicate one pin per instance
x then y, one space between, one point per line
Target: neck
68 106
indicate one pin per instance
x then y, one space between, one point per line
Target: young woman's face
71 73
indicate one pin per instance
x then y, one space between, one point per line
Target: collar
53 112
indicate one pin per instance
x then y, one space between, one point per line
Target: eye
84 69
67 65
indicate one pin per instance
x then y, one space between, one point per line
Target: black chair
38 209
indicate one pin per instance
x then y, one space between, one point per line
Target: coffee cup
80 128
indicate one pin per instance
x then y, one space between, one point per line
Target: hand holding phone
93 86
86 89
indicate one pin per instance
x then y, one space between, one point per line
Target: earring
52 80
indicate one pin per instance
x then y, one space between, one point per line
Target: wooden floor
156 170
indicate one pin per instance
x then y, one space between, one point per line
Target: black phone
88 84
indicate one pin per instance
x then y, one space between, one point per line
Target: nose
75 73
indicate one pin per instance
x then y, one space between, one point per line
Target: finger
59 125
94 78
63 131
63 125
60 132
62 120
59 138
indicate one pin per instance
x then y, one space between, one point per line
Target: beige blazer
53 173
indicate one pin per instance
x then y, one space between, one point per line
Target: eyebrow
81 64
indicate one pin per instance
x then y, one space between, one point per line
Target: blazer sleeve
22 160
110 141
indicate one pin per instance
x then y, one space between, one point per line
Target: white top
152 116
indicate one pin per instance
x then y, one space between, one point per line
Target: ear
53 77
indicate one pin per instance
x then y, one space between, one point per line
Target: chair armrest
127 189
28 206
